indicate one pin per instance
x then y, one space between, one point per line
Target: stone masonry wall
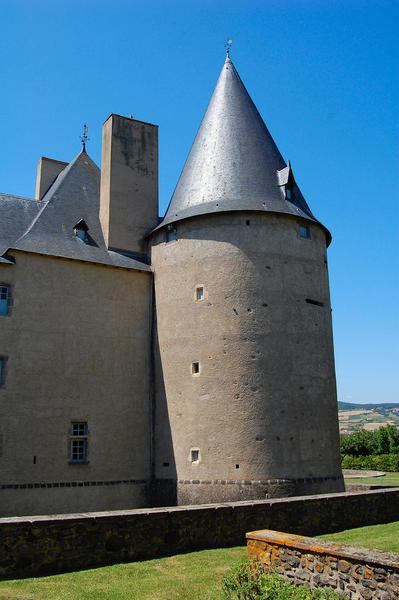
357 573
56 543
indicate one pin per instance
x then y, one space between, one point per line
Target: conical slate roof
234 163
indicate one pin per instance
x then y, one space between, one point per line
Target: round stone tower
245 398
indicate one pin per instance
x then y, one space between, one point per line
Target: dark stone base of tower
196 491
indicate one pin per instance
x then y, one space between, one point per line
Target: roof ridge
49 195
20 197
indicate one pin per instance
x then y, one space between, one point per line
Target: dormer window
171 234
80 230
304 232
288 193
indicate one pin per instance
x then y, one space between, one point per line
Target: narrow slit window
288 193
304 232
315 302
2 371
195 368
194 456
4 300
199 293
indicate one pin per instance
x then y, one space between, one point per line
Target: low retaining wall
357 573
50 544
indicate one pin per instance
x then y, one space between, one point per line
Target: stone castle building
148 361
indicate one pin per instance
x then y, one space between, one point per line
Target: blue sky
324 75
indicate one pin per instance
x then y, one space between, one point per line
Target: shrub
249 581
365 443
382 462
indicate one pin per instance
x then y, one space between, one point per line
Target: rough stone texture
49 544
84 356
357 573
263 407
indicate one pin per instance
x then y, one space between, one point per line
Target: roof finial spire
227 45
84 138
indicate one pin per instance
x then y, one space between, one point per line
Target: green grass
390 479
380 537
193 576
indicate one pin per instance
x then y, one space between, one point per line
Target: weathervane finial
84 138
227 45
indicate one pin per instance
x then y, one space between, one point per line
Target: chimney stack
48 170
129 183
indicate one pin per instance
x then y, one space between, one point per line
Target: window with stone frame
79 442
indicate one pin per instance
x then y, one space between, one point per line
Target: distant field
390 479
353 417
379 537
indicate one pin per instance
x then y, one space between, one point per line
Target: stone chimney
48 170
129 183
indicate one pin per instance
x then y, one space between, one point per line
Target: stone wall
50 544
357 573
260 415
86 359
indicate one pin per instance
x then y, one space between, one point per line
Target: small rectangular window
79 442
4 300
171 234
194 455
304 232
195 368
199 293
288 193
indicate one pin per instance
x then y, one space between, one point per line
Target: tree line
376 450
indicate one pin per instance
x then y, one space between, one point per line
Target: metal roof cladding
234 163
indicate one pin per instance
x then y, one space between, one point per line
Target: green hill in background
353 417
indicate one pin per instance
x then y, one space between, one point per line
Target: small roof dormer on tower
234 163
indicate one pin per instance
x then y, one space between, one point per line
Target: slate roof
234 163
47 227
16 214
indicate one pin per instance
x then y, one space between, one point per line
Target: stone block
344 566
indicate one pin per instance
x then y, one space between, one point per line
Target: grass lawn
193 576
380 537
388 480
